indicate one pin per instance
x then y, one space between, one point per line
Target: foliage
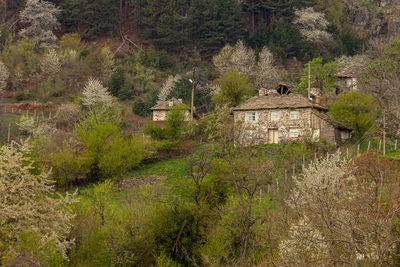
27 192
234 89
31 250
4 75
21 61
313 25
382 78
176 125
323 76
282 39
356 110
50 64
95 94
87 17
167 87
211 24
339 217
244 60
40 18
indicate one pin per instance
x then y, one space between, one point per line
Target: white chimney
170 103
263 92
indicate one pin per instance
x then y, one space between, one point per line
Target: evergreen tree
163 22
90 18
215 23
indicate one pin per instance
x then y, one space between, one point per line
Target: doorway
273 137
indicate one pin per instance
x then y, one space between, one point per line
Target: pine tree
163 21
215 23
90 18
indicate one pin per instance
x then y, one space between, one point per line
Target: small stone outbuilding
278 118
161 109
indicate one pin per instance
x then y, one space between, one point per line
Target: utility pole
192 100
384 133
309 80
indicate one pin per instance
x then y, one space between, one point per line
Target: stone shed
276 118
161 109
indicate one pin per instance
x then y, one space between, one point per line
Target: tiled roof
167 104
278 102
336 124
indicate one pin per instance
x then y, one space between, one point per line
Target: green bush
356 110
235 88
176 125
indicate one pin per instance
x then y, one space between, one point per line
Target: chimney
318 100
262 92
180 100
170 103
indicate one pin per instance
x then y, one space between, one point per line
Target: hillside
199 133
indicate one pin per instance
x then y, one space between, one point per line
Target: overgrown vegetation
78 80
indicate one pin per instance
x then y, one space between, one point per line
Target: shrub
356 110
235 88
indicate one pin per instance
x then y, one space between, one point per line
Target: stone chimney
317 100
263 92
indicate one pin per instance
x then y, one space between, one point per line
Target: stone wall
327 130
159 115
257 132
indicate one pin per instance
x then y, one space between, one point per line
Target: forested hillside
121 136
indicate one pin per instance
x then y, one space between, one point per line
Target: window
251 117
294 133
294 115
275 115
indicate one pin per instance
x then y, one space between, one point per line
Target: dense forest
90 177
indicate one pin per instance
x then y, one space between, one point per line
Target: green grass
171 169
5 121
394 154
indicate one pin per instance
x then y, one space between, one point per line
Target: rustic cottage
350 70
161 109
347 81
275 118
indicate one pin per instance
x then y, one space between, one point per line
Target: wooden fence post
395 145
369 145
9 133
380 145
358 150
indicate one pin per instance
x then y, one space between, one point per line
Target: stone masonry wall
249 133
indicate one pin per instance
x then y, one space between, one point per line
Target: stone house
278 118
347 81
161 109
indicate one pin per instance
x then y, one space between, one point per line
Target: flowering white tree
242 59
4 75
312 25
50 63
341 215
28 201
266 73
305 243
95 94
40 18
167 87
